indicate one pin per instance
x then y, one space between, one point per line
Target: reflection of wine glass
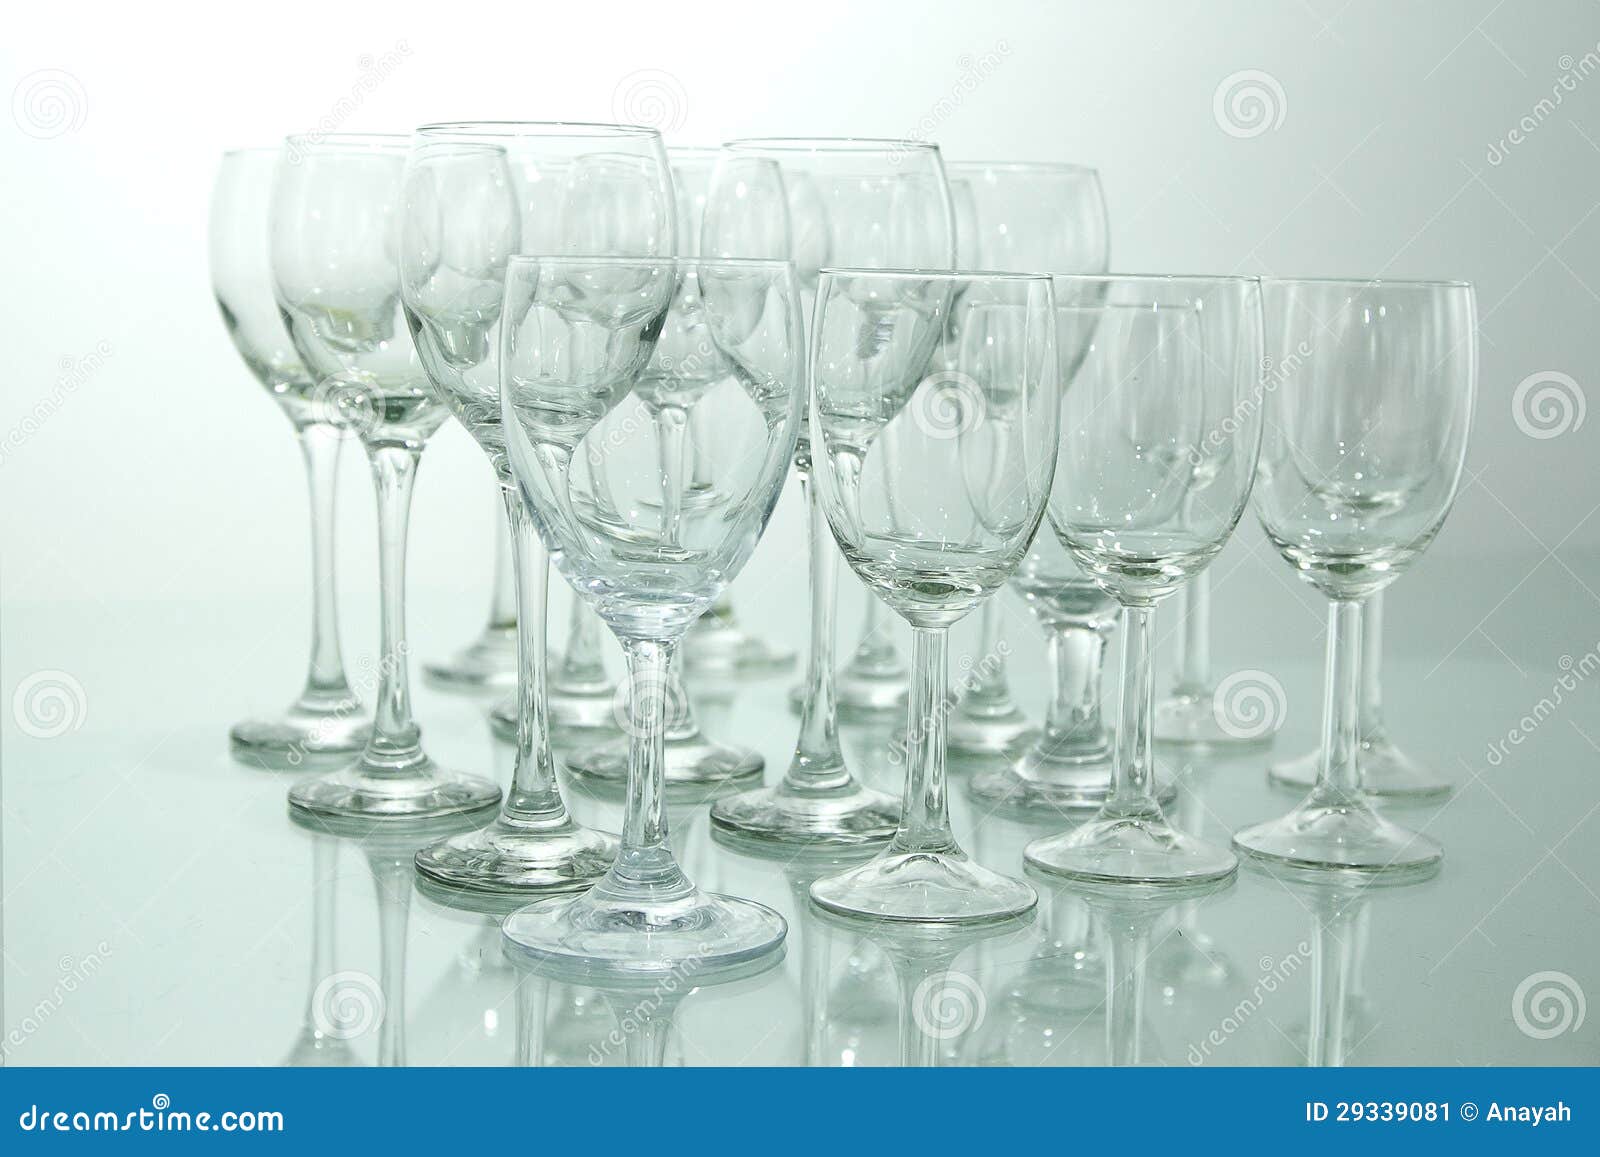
490 660
327 722
335 269
323 1041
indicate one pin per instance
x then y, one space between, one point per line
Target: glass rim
932 274
1061 167
1162 278
1368 282
513 129
616 259
348 142
842 145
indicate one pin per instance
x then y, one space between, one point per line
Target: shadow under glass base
852 817
1345 837
1191 720
985 731
692 759
1041 779
567 712
307 735
924 888
719 647
514 858
1386 773
605 935
490 662
423 793
1134 849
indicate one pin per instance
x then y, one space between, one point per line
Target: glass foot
1341 836
567 712
306 735
987 728
422 794
1045 780
510 857
610 935
1192 720
490 662
713 644
1136 849
1386 773
869 691
924 888
690 760
852 817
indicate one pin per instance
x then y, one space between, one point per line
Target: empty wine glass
327 721
490 660
335 268
871 204
1168 384
1367 435
580 351
1383 770
476 194
580 696
1020 217
891 426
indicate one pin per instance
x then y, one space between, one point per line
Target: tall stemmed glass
335 268
490 660
862 203
475 195
1022 216
327 721
1170 378
893 426
1367 436
579 339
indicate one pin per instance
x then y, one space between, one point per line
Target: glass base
1341 837
490 662
986 729
608 936
924 888
507 857
1192 720
1042 779
852 817
715 645
1386 773
307 735
693 759
567 712
1135 849
422 794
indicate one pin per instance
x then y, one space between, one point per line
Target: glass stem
925 815
324 882
1133 781
582 667
1330 982
1372 669
1077 655
1194 648
320 445
918 978
503 601
1339 778
396 742
989 670
392 880
1127 947
534 798
818 763
533 1000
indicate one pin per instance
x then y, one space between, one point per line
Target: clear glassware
897 428
335 269
596 415
489 662
1162 429
1383 770
866 203
328 722
1021 217
475 195
1367 424
580 696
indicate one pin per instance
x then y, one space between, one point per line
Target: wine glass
1169 378
489 662
891 425
335 269
1383 770
581 347
476 194
328 720
1022 216
865 203
1367 436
